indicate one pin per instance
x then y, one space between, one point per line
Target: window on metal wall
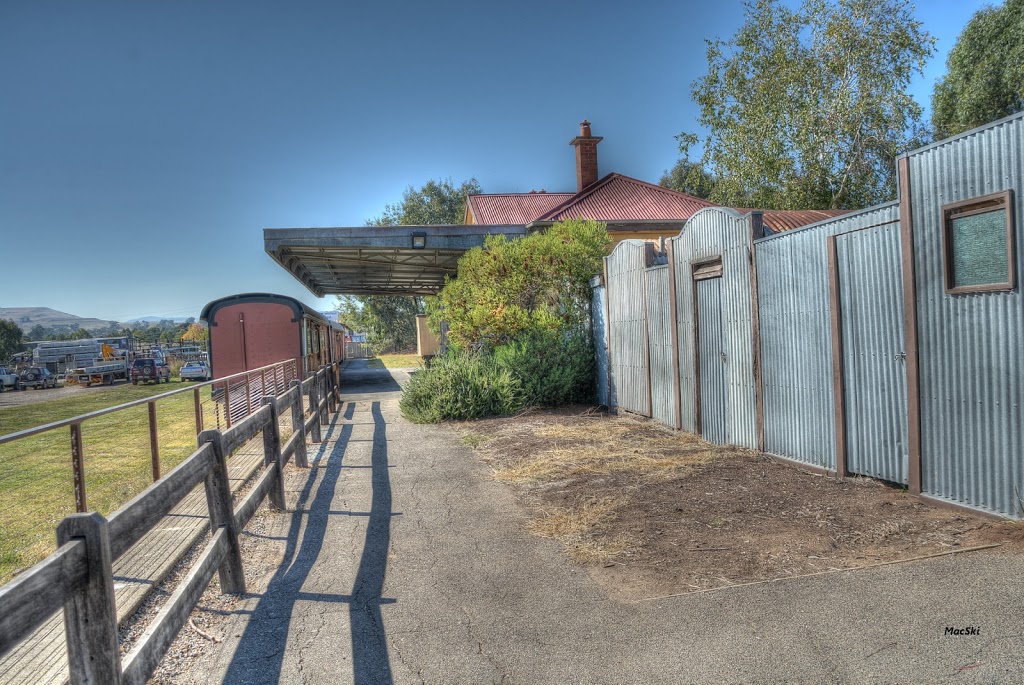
978 244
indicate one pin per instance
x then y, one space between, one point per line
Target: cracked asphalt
406 564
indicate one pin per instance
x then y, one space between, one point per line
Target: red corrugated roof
780 220
513 208
621 198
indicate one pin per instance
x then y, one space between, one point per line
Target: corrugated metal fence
841 345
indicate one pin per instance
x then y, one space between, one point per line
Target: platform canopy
376 260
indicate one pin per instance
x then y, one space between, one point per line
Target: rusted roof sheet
513 208
786 220
616 198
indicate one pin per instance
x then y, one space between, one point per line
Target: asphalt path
407 564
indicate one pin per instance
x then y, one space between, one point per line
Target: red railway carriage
251 330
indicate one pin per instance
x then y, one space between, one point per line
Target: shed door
711 361
874 371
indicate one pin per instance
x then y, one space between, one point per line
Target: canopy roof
376 260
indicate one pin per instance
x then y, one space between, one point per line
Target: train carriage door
711 360
872 358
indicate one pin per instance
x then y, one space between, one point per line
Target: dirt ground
650 512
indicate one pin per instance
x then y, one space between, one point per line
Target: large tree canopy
985 79
437 202
686 176
390 321
807 108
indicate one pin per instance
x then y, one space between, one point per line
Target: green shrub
461 385
553 367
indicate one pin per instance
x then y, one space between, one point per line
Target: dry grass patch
576 526
540 451
649 511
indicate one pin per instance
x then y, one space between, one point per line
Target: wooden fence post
222 515
78 467
154 441
299 427
272 453
314 402
337 386
90 616
324 418
329 384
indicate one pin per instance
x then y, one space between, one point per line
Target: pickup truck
9 380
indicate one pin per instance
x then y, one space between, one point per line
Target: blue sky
144 146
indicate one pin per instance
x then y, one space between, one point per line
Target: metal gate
711 361
659 335
873 352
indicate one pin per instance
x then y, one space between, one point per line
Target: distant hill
27 317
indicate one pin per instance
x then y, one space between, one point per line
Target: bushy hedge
461 385
541 368
553 367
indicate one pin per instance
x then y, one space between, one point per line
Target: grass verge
36 480
395 361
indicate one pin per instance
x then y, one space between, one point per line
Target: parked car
37 377
150 369
9 380
195 371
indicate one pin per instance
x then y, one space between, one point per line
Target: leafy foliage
686 176
461 385
508 287
808 107
437 202
985 79
196 332
10 339
552 367
389 320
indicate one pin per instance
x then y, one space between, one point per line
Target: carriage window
978 244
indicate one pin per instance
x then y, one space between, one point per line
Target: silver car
195 371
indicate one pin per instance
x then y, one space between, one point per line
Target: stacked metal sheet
73 353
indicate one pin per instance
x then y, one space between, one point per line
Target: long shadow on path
261 651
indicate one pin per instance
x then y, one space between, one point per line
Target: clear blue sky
144 146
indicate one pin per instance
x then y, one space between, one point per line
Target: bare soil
651 512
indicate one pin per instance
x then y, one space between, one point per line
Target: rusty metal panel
627 327
659 335
718 233
969 345
874 357
796 337
600 331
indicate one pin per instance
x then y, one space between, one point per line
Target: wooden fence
79 578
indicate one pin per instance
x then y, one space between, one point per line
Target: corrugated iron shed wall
600 331
659 335
710 233
971 347
627 326
796 336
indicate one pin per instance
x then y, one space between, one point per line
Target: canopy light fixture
419 240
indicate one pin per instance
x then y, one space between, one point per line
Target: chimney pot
584 129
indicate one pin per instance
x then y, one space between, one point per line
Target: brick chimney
586 156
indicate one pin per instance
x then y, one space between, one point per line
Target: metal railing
78 577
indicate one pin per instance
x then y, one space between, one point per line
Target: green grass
395 361
36 482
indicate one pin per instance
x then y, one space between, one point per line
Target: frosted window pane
979 249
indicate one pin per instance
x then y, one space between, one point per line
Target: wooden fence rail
78 576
